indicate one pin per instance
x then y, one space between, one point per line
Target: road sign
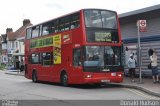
142 25
141 28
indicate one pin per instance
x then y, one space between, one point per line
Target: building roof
21 32
147 9
11 36
141 14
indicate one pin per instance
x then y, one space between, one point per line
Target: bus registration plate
105 80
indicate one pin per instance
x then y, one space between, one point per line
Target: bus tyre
64 79
34 77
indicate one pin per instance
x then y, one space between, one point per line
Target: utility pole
139 57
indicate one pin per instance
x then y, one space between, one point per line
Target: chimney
26 21
9 30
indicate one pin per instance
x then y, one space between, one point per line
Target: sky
13 12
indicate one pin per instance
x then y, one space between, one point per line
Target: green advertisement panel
41 42
54 41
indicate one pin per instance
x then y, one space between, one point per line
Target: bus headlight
119 75
88 76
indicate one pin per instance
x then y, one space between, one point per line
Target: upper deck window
35 31
28 33
75 21
100 19
48 28
62 24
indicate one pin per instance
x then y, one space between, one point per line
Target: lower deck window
47 58
35 58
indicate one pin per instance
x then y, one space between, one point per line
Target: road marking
145 95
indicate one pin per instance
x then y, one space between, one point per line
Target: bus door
77 63
28 65
47 65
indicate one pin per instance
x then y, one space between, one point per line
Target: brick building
13 44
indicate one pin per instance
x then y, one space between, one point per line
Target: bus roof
69 14
54 19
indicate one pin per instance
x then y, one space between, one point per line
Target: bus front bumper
103 77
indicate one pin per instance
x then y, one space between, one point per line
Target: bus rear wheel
34 77
64 79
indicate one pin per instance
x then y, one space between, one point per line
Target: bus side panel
27 70
56 70
74 73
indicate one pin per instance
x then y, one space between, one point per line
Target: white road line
147 96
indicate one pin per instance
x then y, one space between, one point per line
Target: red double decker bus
83 47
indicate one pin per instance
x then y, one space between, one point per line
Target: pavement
146 85
14 72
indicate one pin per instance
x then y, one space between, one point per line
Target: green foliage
2 66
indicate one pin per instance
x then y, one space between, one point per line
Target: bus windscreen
100 19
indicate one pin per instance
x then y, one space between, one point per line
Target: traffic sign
142 25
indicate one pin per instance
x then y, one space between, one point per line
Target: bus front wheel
34 77
64 79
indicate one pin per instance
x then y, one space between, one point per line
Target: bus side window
28 33
45 30
75 23
47 58
56 25
61 25
77 57
30 59
35 31
48 28
67 23
35 58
